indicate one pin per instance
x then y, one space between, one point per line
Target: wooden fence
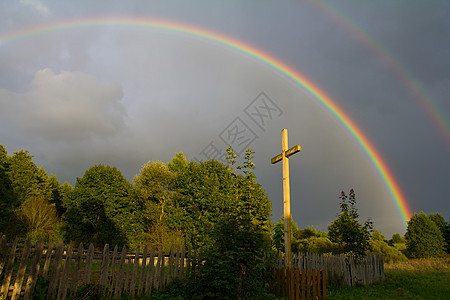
65 269
341 268
293 284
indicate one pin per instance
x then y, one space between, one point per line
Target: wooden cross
284 156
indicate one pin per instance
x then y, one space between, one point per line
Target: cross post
284 157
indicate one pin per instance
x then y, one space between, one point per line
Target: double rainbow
255 54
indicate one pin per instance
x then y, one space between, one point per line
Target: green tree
204 192
377 236
40 219
423 237
155 187
155 183
240 236
178 163
397 239
443 227
28 181
352 237
7 203
59 193
103 209
278 236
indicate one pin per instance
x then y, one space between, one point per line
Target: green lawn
416 279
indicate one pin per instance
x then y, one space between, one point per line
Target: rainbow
372 45
255 54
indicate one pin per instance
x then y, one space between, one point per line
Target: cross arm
289 152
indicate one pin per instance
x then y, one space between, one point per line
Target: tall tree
155 183
444 227
28 181
346 231
102 209
7 203
423 237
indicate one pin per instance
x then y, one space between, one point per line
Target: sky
115 89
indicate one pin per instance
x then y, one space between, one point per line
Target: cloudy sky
124 94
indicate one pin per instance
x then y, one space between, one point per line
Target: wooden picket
68 268
367 270
294 285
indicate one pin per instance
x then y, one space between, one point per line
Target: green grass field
414 279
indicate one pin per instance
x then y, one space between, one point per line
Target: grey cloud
65 106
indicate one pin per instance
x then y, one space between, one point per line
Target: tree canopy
352 237
423 237
102 209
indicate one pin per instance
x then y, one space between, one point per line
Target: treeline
184 203
174 203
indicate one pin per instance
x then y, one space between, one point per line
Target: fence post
76 271
149 277
54 275
32 278
119 281
21 272
62 290
135 270
112 276
9 270
142 274
88 268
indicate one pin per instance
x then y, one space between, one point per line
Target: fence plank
135 271
111 278
3 253
120 275
126 282
170 266
88 267
149 276
176 262
158 269
21 272
48 257
35 264
9 270
298 281
76 271
303 284
54 274
65 274
104 266
182 262
142 273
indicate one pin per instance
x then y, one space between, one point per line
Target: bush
390 254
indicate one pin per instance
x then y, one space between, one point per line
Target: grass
414 279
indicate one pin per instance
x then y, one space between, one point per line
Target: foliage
27 180
352 238
155 183
317 244
390 254
377 236
7 203
232 265
278 236
103 209
423 237
443 227
40 219
397 239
